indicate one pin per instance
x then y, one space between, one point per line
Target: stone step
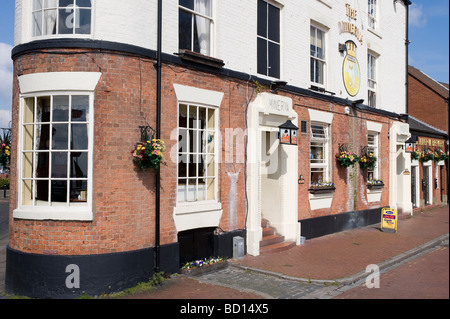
271 240
276 248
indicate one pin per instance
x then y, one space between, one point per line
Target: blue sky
429 49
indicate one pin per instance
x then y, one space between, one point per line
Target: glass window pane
185 31
182 191
28 137
262 56
187 3
274 60
84 3
43 137
192 190
317 175
79 137
27 165
66 20
66 3
28 112
262 18
274 23
43 110
42 190
60 109
59 165
79 165
183 141
59 191
80 108
27 192
43 162
60 133
193 166
202 118
211 188
37 23
78 191
83 22
37 4
182 169
211 119
50 17
182 120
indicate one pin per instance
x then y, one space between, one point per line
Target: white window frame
196 154
372 14
74 34
325 141
316 59
46 210
57 83
211 30
372 72
374 148
268 40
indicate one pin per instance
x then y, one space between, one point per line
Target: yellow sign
351 71
389 220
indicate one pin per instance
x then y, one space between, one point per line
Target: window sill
375 187
201 59
55 213
322 190
197 207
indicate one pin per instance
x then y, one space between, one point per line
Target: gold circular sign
351 71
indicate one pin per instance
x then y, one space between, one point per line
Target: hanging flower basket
440 155
149 154
5 151
368 160
416 155
427 155
346 158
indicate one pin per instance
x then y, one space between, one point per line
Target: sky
429 49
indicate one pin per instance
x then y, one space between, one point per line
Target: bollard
4 191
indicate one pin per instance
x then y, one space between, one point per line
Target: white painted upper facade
233 38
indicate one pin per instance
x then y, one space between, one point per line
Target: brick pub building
218 84
429 124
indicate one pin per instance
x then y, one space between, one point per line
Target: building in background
232 73
429 124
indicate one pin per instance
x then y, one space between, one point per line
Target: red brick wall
124 197
426 105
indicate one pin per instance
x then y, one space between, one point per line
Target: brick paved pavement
318 269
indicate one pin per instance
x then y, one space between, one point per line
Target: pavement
322 268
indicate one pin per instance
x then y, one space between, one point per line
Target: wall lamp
358 102
276 85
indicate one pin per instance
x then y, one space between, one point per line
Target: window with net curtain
55 150
61 17
319 158
194 26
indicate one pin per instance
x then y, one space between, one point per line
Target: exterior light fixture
276 85
289 133
411 144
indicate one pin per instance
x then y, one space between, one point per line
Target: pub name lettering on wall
348 27
430 142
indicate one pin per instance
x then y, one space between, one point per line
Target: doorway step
272 243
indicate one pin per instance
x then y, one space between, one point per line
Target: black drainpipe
407 4
158 136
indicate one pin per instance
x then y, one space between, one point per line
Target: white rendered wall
234 38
